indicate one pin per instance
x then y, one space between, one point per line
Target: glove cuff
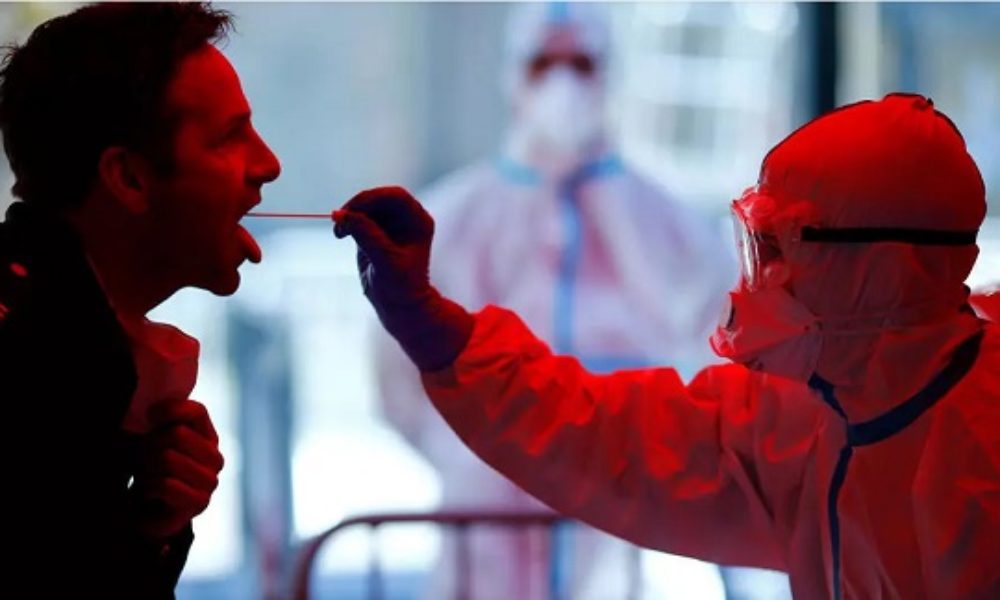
432 332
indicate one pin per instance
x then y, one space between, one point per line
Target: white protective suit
602 264
986 301
878 479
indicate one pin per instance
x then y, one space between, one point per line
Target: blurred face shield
562 102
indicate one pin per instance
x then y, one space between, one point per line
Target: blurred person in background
560 229
134 158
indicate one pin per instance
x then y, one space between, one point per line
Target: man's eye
233 134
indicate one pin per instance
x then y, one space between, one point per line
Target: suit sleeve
635 453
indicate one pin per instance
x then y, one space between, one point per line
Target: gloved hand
394 233
179 468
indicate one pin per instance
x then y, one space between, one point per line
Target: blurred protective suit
600 262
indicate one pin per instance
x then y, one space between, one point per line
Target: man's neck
122 265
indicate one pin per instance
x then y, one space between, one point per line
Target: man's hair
93 79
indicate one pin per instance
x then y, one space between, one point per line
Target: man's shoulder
44 272
16 281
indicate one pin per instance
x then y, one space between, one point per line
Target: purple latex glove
394 233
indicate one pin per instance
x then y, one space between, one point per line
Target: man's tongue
250 247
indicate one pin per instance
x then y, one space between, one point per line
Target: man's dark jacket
66 379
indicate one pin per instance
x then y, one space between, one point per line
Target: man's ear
126 175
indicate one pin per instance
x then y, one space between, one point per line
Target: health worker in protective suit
852 442
560 230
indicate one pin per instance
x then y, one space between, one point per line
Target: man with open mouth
135 158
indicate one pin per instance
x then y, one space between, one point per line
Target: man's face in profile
220 164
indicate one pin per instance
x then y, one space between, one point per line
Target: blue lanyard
563 306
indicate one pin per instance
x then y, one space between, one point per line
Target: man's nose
264 166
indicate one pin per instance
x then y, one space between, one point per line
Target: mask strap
865 235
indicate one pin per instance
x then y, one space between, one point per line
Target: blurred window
949 52
704 90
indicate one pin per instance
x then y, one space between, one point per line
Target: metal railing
458 521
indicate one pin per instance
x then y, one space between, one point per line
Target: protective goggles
762 231
582 64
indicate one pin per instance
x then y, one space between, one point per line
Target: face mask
166 362
770 331
563 111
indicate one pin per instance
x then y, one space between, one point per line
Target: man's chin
223 285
